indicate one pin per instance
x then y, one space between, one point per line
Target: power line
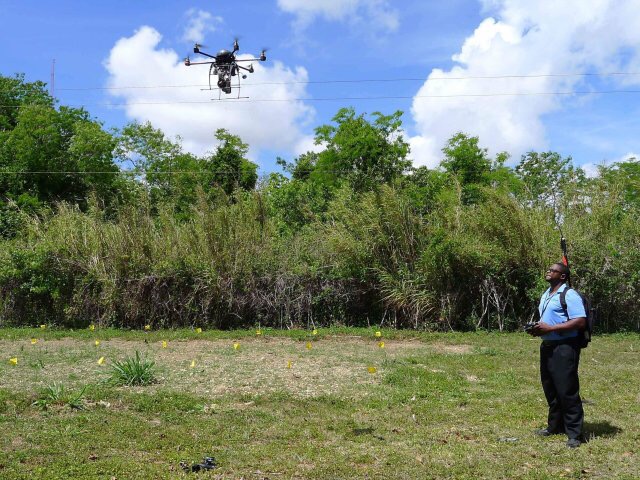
369 80
330 99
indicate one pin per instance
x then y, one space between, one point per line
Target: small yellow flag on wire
42 327
372 370
92 327
96 343
198 330
315 331
147 327
308 345
193 364
289 364
164 344
236 345
378 334
100 360
381 344
13 361
34 341
258 332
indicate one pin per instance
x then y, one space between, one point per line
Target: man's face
553 274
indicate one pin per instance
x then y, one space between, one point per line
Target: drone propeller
197 47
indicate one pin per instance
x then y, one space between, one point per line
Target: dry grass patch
261 365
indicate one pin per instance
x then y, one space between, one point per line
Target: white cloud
523 38
377 12
269 119
199 22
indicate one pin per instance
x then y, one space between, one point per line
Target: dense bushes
374 259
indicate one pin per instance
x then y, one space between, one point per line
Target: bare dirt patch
452 349
334 365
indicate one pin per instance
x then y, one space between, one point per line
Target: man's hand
540 329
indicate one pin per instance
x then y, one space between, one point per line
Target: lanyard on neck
546 303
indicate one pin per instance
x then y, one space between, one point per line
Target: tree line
123 227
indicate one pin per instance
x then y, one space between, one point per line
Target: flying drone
224 65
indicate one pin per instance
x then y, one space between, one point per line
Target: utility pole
52 84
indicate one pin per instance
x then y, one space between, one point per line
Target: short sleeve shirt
551 311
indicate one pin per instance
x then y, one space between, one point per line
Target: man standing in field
560 355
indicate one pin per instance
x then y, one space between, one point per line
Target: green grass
439 406
132 371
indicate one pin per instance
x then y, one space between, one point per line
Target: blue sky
429 53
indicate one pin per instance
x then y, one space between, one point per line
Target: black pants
559 375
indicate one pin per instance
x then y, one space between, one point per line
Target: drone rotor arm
201 63
205 54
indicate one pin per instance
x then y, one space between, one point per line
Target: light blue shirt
551 311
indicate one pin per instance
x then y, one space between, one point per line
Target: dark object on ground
573 443
208 463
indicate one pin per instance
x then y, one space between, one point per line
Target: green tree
625 177
16 93
229 167
545 176
53 155
366 154
469 163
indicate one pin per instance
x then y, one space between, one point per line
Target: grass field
436 406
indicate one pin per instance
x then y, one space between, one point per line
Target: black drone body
224 66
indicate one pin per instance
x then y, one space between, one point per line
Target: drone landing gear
225 83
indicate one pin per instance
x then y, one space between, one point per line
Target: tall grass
373 258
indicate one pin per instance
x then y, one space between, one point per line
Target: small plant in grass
132 371
57 394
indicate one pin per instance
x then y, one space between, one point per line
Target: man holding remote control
560 355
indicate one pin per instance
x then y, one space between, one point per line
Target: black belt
553 343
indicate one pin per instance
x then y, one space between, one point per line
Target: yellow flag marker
378 334
147 327
193 364
381 344
34 341
96 343
372 370
198 330
258 332
164 344
13 361
315 331
289 364
100 360
236 345
308 345
42 327
92 327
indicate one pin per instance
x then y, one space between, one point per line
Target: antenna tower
52 85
